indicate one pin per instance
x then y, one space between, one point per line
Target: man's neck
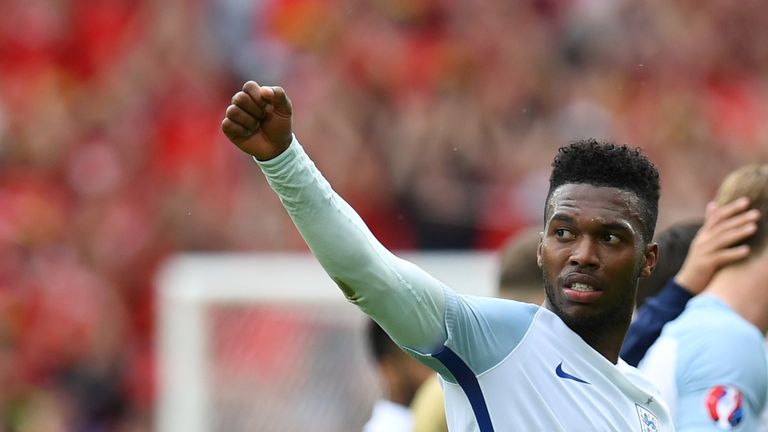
605 341
742 287
605 338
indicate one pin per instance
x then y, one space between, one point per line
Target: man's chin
581 315
582 320
578 314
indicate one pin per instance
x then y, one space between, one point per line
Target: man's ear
650 258
538 249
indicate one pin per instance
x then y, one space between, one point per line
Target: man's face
591 254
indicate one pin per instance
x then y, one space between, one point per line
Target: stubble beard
593 324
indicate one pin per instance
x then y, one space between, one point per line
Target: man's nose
585 253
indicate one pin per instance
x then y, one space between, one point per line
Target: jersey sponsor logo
724 405
562 374
648 421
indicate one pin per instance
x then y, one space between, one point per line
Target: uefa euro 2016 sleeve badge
648 421
724 404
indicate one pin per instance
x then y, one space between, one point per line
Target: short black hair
674 243
380 345
606 164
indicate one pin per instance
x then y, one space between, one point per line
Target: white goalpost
267 342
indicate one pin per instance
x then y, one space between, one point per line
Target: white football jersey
506 366
549 380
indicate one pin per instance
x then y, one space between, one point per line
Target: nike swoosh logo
562 374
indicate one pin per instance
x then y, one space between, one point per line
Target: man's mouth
581 291
582 287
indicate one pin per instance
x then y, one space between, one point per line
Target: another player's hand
258 120
712 247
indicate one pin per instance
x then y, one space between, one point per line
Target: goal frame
190 283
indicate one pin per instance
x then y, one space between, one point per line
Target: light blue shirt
710 364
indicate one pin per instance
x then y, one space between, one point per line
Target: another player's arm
711 248
405 300
716 390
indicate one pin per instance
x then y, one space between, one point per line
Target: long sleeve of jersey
405 300
667 305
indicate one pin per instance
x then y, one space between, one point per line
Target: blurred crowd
435 119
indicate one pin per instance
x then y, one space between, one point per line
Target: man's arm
717 390
709 250
402 298
667 305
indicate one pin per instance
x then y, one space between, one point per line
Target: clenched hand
258 121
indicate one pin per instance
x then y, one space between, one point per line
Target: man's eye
611 239
563 233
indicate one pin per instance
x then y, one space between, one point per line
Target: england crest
648 421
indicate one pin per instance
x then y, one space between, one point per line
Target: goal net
266 341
